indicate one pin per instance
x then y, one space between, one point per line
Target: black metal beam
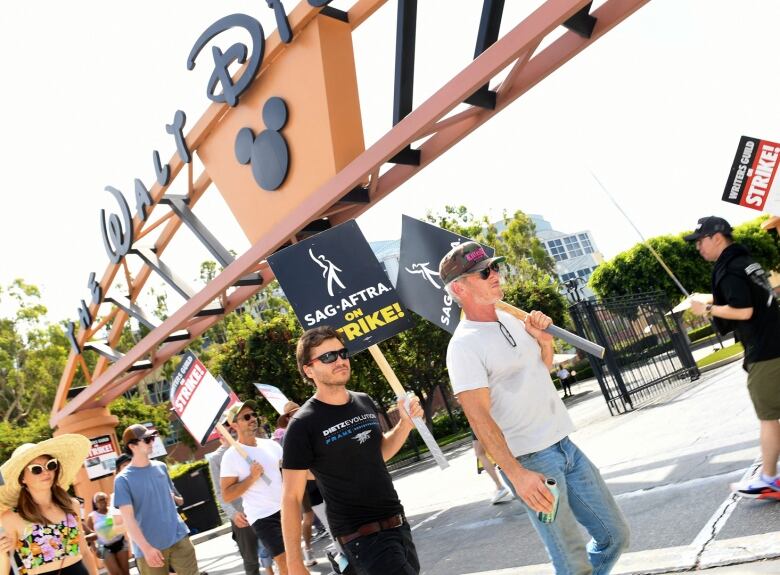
582 22
489 27
313 227
335 13
179 205
102 348
357 195
403 90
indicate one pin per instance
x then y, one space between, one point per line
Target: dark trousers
246 539
566 384
388 552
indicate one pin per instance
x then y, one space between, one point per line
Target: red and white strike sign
198 398
751 180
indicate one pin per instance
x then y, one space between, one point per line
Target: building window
584 274
174 437
159 391
572 246
567 277
555 248
587 247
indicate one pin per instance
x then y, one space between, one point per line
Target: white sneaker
308 557
500 494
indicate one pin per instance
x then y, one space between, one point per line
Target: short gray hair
448 289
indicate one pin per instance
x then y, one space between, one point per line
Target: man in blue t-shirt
143 492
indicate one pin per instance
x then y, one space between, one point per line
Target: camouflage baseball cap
465 258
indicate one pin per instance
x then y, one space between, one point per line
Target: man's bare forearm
547 353
732 313
394 439
494 442
237 489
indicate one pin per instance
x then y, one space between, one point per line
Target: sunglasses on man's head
485 274
248 416
330 356
37 469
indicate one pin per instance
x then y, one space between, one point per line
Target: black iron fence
647 351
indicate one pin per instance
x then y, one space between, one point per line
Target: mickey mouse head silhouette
267 153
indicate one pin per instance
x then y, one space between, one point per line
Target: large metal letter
118 236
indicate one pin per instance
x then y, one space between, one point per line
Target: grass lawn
720 354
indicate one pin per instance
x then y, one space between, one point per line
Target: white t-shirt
523 400
260 500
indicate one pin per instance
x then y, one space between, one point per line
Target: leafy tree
135 410
32 355
530 277
260 353
536 291
12 436
516 241
418 357
636 270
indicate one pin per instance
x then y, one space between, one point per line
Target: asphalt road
669 465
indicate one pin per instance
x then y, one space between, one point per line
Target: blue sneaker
757 488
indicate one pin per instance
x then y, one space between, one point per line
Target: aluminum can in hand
552 485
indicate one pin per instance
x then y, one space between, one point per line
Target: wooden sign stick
241 451
400 393
567 336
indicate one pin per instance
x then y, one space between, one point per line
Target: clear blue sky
655 109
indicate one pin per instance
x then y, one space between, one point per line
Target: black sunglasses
485 273
50 465
330 356
146 440
507 336
248 416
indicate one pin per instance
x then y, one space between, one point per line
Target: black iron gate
647 351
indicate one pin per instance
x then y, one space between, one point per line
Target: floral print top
43 544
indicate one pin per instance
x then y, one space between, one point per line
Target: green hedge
178 470
700 333
442 425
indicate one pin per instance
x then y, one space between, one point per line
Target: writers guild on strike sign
751 180
334 279
198 398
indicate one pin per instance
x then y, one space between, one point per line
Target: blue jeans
584 498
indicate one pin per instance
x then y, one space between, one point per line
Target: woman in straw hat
42 523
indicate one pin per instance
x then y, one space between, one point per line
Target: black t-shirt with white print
342 446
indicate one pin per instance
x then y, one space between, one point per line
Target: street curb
722 362
210 534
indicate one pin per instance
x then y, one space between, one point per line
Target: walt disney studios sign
266 152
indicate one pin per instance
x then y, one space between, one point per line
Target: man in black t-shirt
336 436
742 300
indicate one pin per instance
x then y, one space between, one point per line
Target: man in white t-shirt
262 500
500 371
563 375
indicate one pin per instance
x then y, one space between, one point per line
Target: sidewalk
669 465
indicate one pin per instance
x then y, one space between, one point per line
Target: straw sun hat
70 450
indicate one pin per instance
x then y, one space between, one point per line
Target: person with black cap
143 493
262 500
743 301
499 368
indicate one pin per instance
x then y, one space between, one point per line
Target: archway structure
316 188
